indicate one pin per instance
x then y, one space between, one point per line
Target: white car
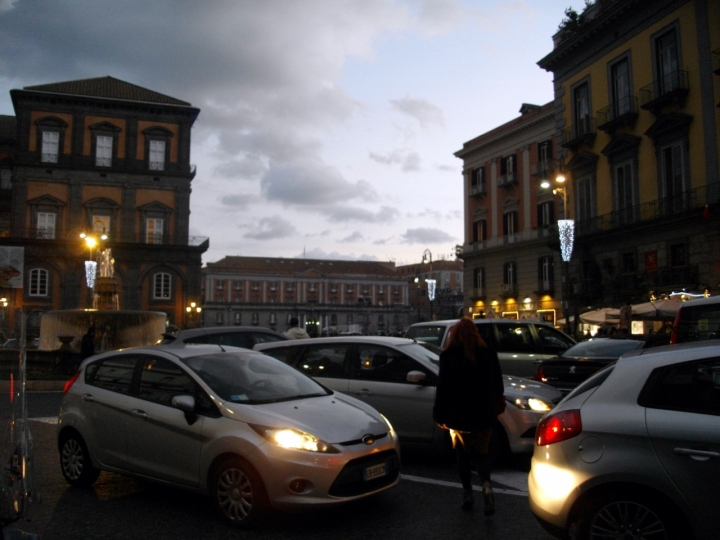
248 430
398 376
634 451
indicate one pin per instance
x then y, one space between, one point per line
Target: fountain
119 328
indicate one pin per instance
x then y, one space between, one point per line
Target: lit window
103 150
162 288
157 156
50 146
38 282
154 231
46 225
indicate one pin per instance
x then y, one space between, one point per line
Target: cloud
425 235
342 214
239 201
354 237
317 253
250 167
270 229
410 160
423 111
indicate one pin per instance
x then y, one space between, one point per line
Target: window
255 319
668 62
545 273
507 170
154 230
46 225
38 282
162 286
509 274
101 224
479 281
510 223
273 319
50 146
161 380
255 299
478 180
156 159
255 285
219 318
628 263
237 317
673 177
381 289
220 284
678 255
238 284
333 319
581 110
333 287
311 287
272 286
544 154
388 365
620 88
624 192
6 179
323 361
103 150
113 374
479 231
585 198
349 318
546 215
366 289
692 387
349 288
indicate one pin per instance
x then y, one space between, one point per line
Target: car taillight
558 426
675 327
540 375
71 382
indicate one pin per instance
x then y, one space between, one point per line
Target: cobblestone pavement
121 508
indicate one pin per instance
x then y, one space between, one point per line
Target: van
697 320
520 344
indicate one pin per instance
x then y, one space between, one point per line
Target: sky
327 128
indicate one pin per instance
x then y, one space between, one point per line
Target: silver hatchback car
248 430
398 376
634 451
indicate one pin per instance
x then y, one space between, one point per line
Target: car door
516 348
324 362
162 441
104 408
380 380
683 423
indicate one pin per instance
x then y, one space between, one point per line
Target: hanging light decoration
90 273
566 229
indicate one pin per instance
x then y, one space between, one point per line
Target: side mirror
184 403
415 377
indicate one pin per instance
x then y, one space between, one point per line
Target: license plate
375 471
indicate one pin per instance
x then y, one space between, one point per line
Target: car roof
701 301
671 354
210 330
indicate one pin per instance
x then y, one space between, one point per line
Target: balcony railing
49 158
670 88
477 190
583 132
619 113
661 208
507 180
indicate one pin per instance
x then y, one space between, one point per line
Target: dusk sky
327 127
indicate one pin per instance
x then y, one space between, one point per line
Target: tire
75 463
238 492
629 515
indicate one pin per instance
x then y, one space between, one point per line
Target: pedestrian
105 341
87 345
468 398
295 332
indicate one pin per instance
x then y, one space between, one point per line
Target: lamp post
193 311
566 232
427 259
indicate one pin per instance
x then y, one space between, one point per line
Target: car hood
334 419
518 386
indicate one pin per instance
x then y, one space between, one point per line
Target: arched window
162 286
39 282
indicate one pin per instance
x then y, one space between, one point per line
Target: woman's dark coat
468 391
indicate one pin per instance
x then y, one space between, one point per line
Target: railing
586 127
617 110
103 162
660 208
476 189
507 179
49 158
663 88
156 165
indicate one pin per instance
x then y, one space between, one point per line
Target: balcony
584 132
683 202
507 180
671 89
545 286
618 114
508 290
478 190
477 293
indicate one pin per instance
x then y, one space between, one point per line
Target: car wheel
75 461
238 492
627 515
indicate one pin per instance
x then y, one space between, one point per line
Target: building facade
326 296
637 86
448 295
101 157
511 248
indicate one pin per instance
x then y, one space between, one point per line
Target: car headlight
391 431
295 439
532 404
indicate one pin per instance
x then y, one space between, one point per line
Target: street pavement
425 504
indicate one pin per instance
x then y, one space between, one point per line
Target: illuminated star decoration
566 229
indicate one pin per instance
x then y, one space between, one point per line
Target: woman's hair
465 334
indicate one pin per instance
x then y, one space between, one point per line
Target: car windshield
253 378
420 351
428 334
603 348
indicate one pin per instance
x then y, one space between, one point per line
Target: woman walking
468 399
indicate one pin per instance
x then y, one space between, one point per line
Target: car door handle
697 454
364 392
137 413
88 397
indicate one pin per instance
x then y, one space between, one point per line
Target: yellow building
637 86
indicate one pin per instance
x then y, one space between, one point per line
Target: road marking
422 480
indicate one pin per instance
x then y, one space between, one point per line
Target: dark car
235 336
570 368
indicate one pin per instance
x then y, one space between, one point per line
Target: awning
658 310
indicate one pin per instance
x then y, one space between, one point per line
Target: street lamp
193 311
427 259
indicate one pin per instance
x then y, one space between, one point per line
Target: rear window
593 382
429 334
698 323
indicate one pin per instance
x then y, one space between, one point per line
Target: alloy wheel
627 520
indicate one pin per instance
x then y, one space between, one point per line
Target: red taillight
539 375
558 427
71 382
675 327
